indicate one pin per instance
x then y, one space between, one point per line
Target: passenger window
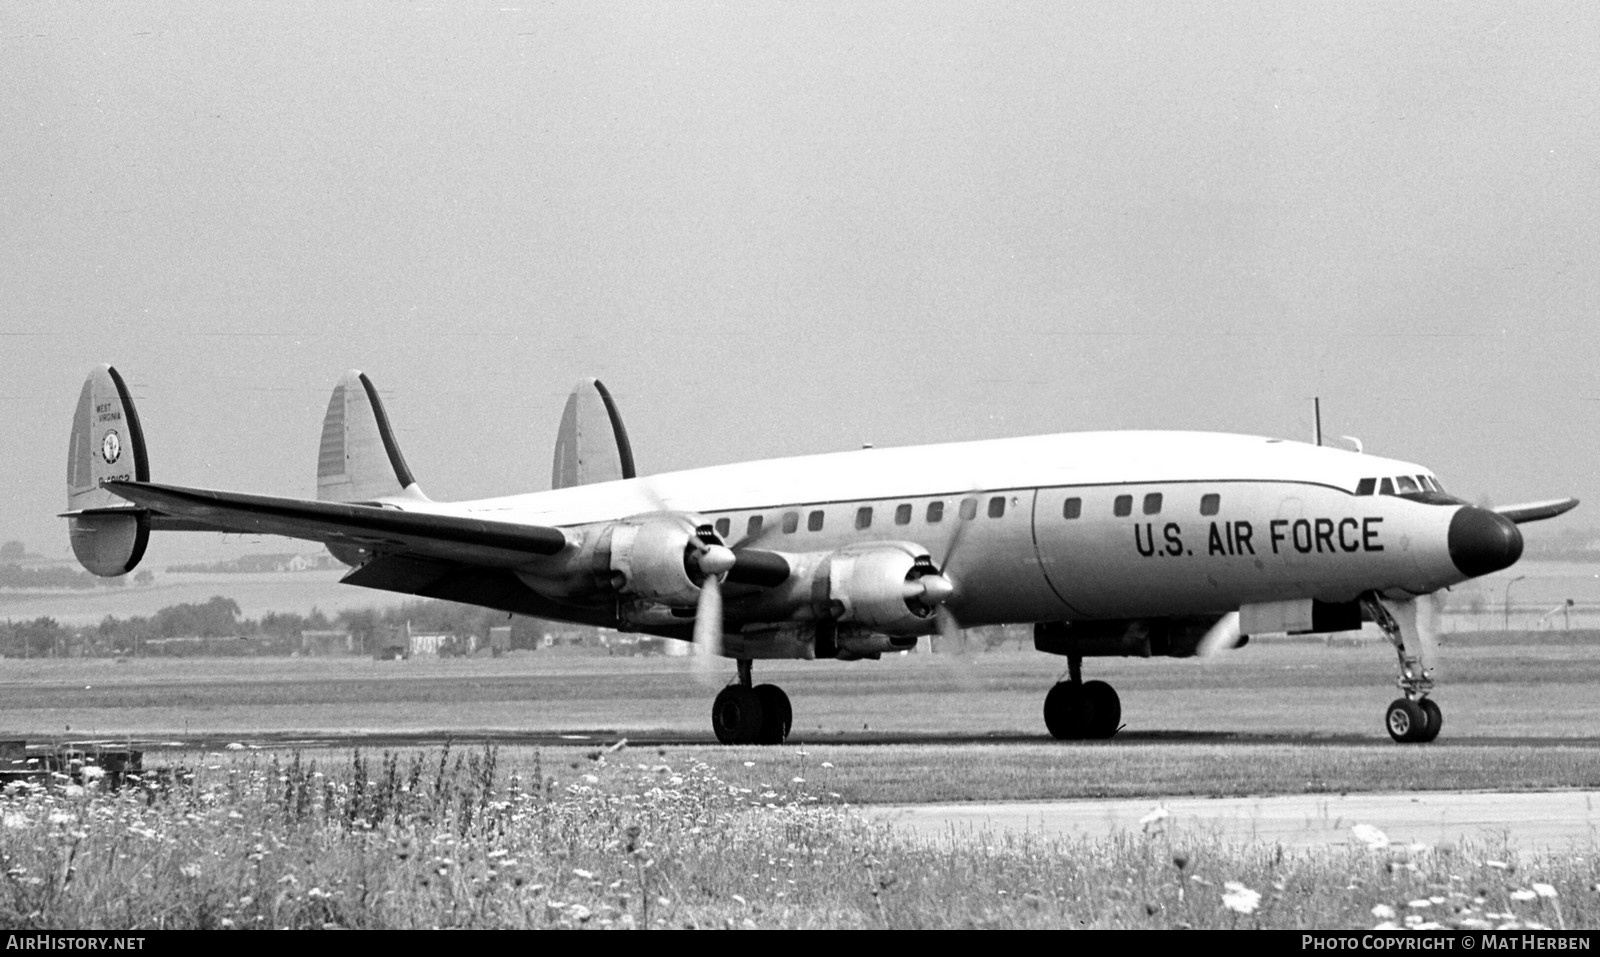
1406 484
814 521
1152 503
1367 486
997 506
1072 508
902 514
791 521
1123 506
753 527
935 513
1210 504
863 517
969 509
723 525
1386 487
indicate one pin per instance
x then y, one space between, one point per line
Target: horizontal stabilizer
368 527
592 445
1537 511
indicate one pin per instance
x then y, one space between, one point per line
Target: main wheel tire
1435 720
1104 709
736 715
1063 711
1406 720
776 714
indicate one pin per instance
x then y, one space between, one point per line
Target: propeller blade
708 625
952 638
1222 636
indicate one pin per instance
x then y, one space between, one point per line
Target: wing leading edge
429 534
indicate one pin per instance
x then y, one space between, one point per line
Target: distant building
326 643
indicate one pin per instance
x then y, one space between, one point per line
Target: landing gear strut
1415 718
751 715
1075 709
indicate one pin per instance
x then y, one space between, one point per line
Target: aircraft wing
425 534
1537 511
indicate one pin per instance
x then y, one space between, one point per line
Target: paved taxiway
1526 822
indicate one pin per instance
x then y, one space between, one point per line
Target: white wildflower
1544 890
1159 814
581 873
1383 912
1419 903
1370 836
1497 865
1523 894
1237 897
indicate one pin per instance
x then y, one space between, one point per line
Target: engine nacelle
873 588
648 560
644 558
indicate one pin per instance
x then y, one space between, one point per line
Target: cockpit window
1386 487
1367 486
1406 483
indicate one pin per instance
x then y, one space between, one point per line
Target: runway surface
666 737
1489 821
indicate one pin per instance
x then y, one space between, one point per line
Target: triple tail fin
359 460
108 534
592 445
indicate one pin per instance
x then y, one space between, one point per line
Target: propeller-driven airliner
1109 543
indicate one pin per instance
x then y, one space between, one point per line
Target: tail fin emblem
111 447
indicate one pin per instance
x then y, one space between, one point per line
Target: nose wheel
1415 718
1413 722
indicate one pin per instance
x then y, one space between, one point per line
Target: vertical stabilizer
592 445
108 535
359 459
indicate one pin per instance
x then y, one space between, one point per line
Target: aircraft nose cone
1482 542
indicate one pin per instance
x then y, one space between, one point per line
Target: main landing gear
751 715
1075 709
1415 718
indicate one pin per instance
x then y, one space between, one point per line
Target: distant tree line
275 633
16 576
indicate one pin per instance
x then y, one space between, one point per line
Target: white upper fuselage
1164 523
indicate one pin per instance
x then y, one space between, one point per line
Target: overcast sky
790 227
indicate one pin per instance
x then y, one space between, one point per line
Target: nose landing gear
1415 718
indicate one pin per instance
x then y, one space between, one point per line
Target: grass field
485 839
699 835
